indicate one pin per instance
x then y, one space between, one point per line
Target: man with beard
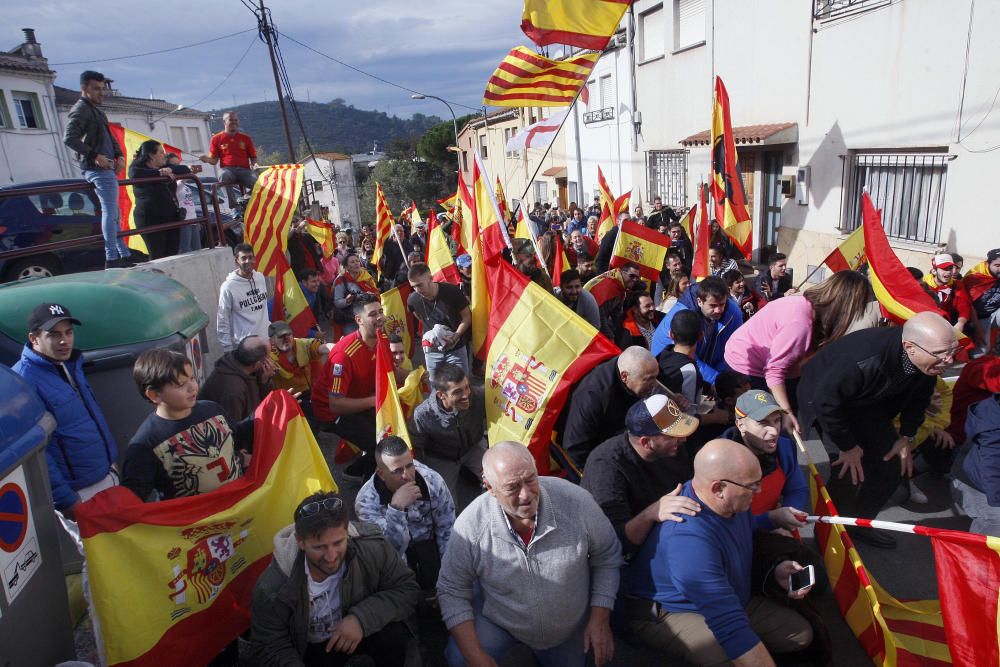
581 302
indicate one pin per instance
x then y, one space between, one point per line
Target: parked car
29 220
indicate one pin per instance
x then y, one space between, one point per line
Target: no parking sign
19 554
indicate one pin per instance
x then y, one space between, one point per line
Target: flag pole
811 274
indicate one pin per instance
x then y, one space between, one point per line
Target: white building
31 146
828 98
333 185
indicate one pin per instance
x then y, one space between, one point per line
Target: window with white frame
651 33
482 146
508 134
667 176
540 190
908 187
607 92
4 114
28 110
178 138
194 140
689 23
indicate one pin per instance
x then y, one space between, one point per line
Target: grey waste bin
35 624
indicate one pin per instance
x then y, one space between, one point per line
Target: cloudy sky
440 47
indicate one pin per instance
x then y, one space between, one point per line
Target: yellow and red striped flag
383 227
893 633
399 320
129 140
526 79
609 218
850 254
438 254
171 581
269 215
389 417
730 197
502 203
640 245
538 349
322 233
588 24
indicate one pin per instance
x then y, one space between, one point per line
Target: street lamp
153 122
454 122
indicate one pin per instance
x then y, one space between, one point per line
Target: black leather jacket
83 133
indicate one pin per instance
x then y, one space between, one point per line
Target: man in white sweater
546 562
242 301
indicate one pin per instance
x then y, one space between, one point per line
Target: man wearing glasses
853 389
694 591
334 590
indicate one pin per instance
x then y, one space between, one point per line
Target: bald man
596 410
690 592
853 389
534 561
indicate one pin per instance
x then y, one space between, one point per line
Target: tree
433 145
402 181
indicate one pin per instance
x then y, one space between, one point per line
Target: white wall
342 200
31 154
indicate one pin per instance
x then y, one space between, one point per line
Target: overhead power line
153 53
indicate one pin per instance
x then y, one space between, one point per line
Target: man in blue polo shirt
691 591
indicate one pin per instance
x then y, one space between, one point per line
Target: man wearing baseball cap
81 453
951 295
297 361
636 476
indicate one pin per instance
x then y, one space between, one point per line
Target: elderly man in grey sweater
545 559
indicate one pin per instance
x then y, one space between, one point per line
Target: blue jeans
457 356
105 182
497 642
189 239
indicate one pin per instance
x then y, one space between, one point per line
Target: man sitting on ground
413 507
241 378
533 561
596 410
694 590
448 430
636 476
334 590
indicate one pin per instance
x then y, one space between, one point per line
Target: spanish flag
526 79
171 581
538 349
702 238
438 256
731 208
290 303
689 220
461 221
389 417
560 262
606 286
268 217
588 24
640 245
322 233
383 227
978 280
502 203
849 255
129 140
399 320
609 206
622 203
490 239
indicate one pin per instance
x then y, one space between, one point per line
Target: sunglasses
334 504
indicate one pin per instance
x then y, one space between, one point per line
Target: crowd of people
679 496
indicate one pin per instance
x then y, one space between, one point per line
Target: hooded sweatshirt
981 469
376 588
242 309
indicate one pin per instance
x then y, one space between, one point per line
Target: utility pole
265 28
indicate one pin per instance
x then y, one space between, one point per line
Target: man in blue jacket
720 316
81 453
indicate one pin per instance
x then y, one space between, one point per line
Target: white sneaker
916 495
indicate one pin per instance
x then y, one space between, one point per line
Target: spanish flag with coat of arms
640 245
171 581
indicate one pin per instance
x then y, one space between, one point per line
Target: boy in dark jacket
333 590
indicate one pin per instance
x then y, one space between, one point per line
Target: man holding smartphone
695 590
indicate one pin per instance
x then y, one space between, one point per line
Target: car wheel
41 266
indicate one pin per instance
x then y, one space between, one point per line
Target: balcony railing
599 115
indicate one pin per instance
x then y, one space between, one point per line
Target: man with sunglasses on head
853 389
334 590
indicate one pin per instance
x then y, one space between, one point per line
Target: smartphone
802 579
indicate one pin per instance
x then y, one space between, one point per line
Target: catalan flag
538 349
389 417
438 256
129 140
322 233
399 320
609 217
731 208
849 255
171 581
268 216
588 24
383 226
290 303
640 245
526 79
502 203
702 239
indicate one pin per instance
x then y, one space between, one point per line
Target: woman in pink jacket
773 345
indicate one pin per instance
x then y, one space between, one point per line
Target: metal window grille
828 10
908 187
667 176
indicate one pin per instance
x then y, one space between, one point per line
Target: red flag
978 280
702 239
606 286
